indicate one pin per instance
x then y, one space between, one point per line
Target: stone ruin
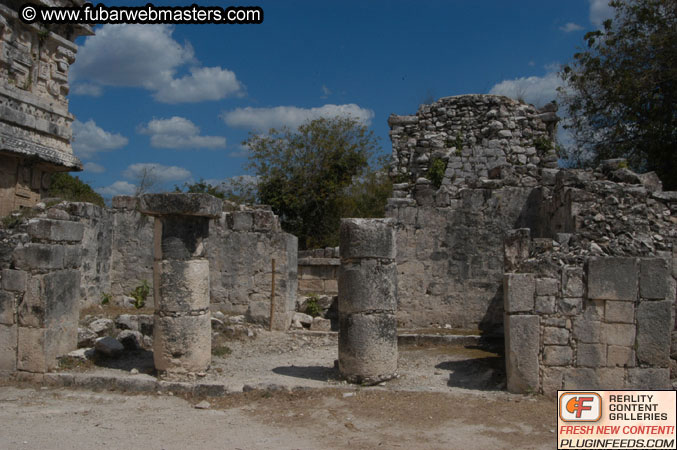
35 125
575 268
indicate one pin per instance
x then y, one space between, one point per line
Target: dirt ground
446 397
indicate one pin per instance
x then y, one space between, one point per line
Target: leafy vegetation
543 144
73 189
140 294
317 174
238 190
105 298
436 171
621 90
313 308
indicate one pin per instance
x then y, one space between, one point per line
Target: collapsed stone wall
592 305
489 155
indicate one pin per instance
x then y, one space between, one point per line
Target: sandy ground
446 397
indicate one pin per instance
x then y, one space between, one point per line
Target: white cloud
89 139
600 11
570 26
265 118
178 132
158 172
92 90
241 152
117 188
147 56
535 90
326 92
205 83
94 167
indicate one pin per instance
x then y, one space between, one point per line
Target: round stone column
182 325
367 304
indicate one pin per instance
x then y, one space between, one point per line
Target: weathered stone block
521 349
51 300
183 237
13 280
555 336
7 307
367 285
38 256
570 306
552 380
618 334
8 344
518 289
587 331
547 286
184 285
622 312
572 282
557 355
55 230
612 278
182 204
264 221
31 355
545 304
653 278
367 238
240 220
591 355
367 347
648 378
620 356
653 333
331 287
311 286
581 378
72 257
182 344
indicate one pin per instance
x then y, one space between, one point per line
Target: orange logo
580 407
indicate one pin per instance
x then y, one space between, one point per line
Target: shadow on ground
317 373
141 360
486 373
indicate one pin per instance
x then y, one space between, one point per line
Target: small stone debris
204 404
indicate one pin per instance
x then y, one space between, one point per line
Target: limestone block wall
241 247
39 293
602 324
495 156
318 271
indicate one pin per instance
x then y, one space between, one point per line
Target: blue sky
179 100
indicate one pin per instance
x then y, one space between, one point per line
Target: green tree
621 91
73 189
314 176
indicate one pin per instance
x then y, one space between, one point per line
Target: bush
313 308
73 189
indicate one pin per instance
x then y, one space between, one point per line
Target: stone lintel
180 204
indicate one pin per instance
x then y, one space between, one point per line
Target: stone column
182 330
367 305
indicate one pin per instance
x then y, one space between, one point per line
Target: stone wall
35 125
39 293
317 271
491 155
592 305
